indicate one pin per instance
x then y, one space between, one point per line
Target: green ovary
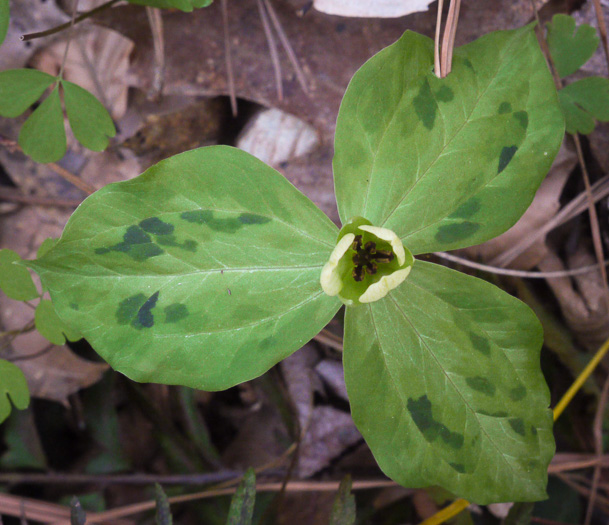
366 264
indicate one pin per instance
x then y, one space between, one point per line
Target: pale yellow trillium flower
366 264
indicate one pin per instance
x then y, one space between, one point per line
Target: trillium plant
210 267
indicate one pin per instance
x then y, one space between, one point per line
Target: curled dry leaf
326 431
54 372
581 298
330 433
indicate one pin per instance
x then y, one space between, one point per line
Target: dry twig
598 448
602 29
272 48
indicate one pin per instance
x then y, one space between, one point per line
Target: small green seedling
43 136
587 99
211 267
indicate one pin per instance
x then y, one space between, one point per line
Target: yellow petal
390 237
380 289
330 280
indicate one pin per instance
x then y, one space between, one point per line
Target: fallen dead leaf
581 298
367 9
329 434
275 137
28 16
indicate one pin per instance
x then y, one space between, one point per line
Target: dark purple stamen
366 258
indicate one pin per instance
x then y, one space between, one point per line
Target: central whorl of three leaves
204 271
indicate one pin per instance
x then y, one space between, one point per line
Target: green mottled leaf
441 161
15 280
43 136
163 511
343 510
242 505
204 271
20 88
51 327
184 5
585 101
445 385
5 14
570 48
13 389
89 120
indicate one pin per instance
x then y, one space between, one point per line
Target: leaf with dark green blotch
399 134
343 510
77 513
13 389
249 231
5 14
51 327
90 121
15 279
570 48
583 102
163 512
415 377
20 88
43 136
242 505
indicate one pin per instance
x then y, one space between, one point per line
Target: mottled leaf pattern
441 161
444 382
204 271
13 389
